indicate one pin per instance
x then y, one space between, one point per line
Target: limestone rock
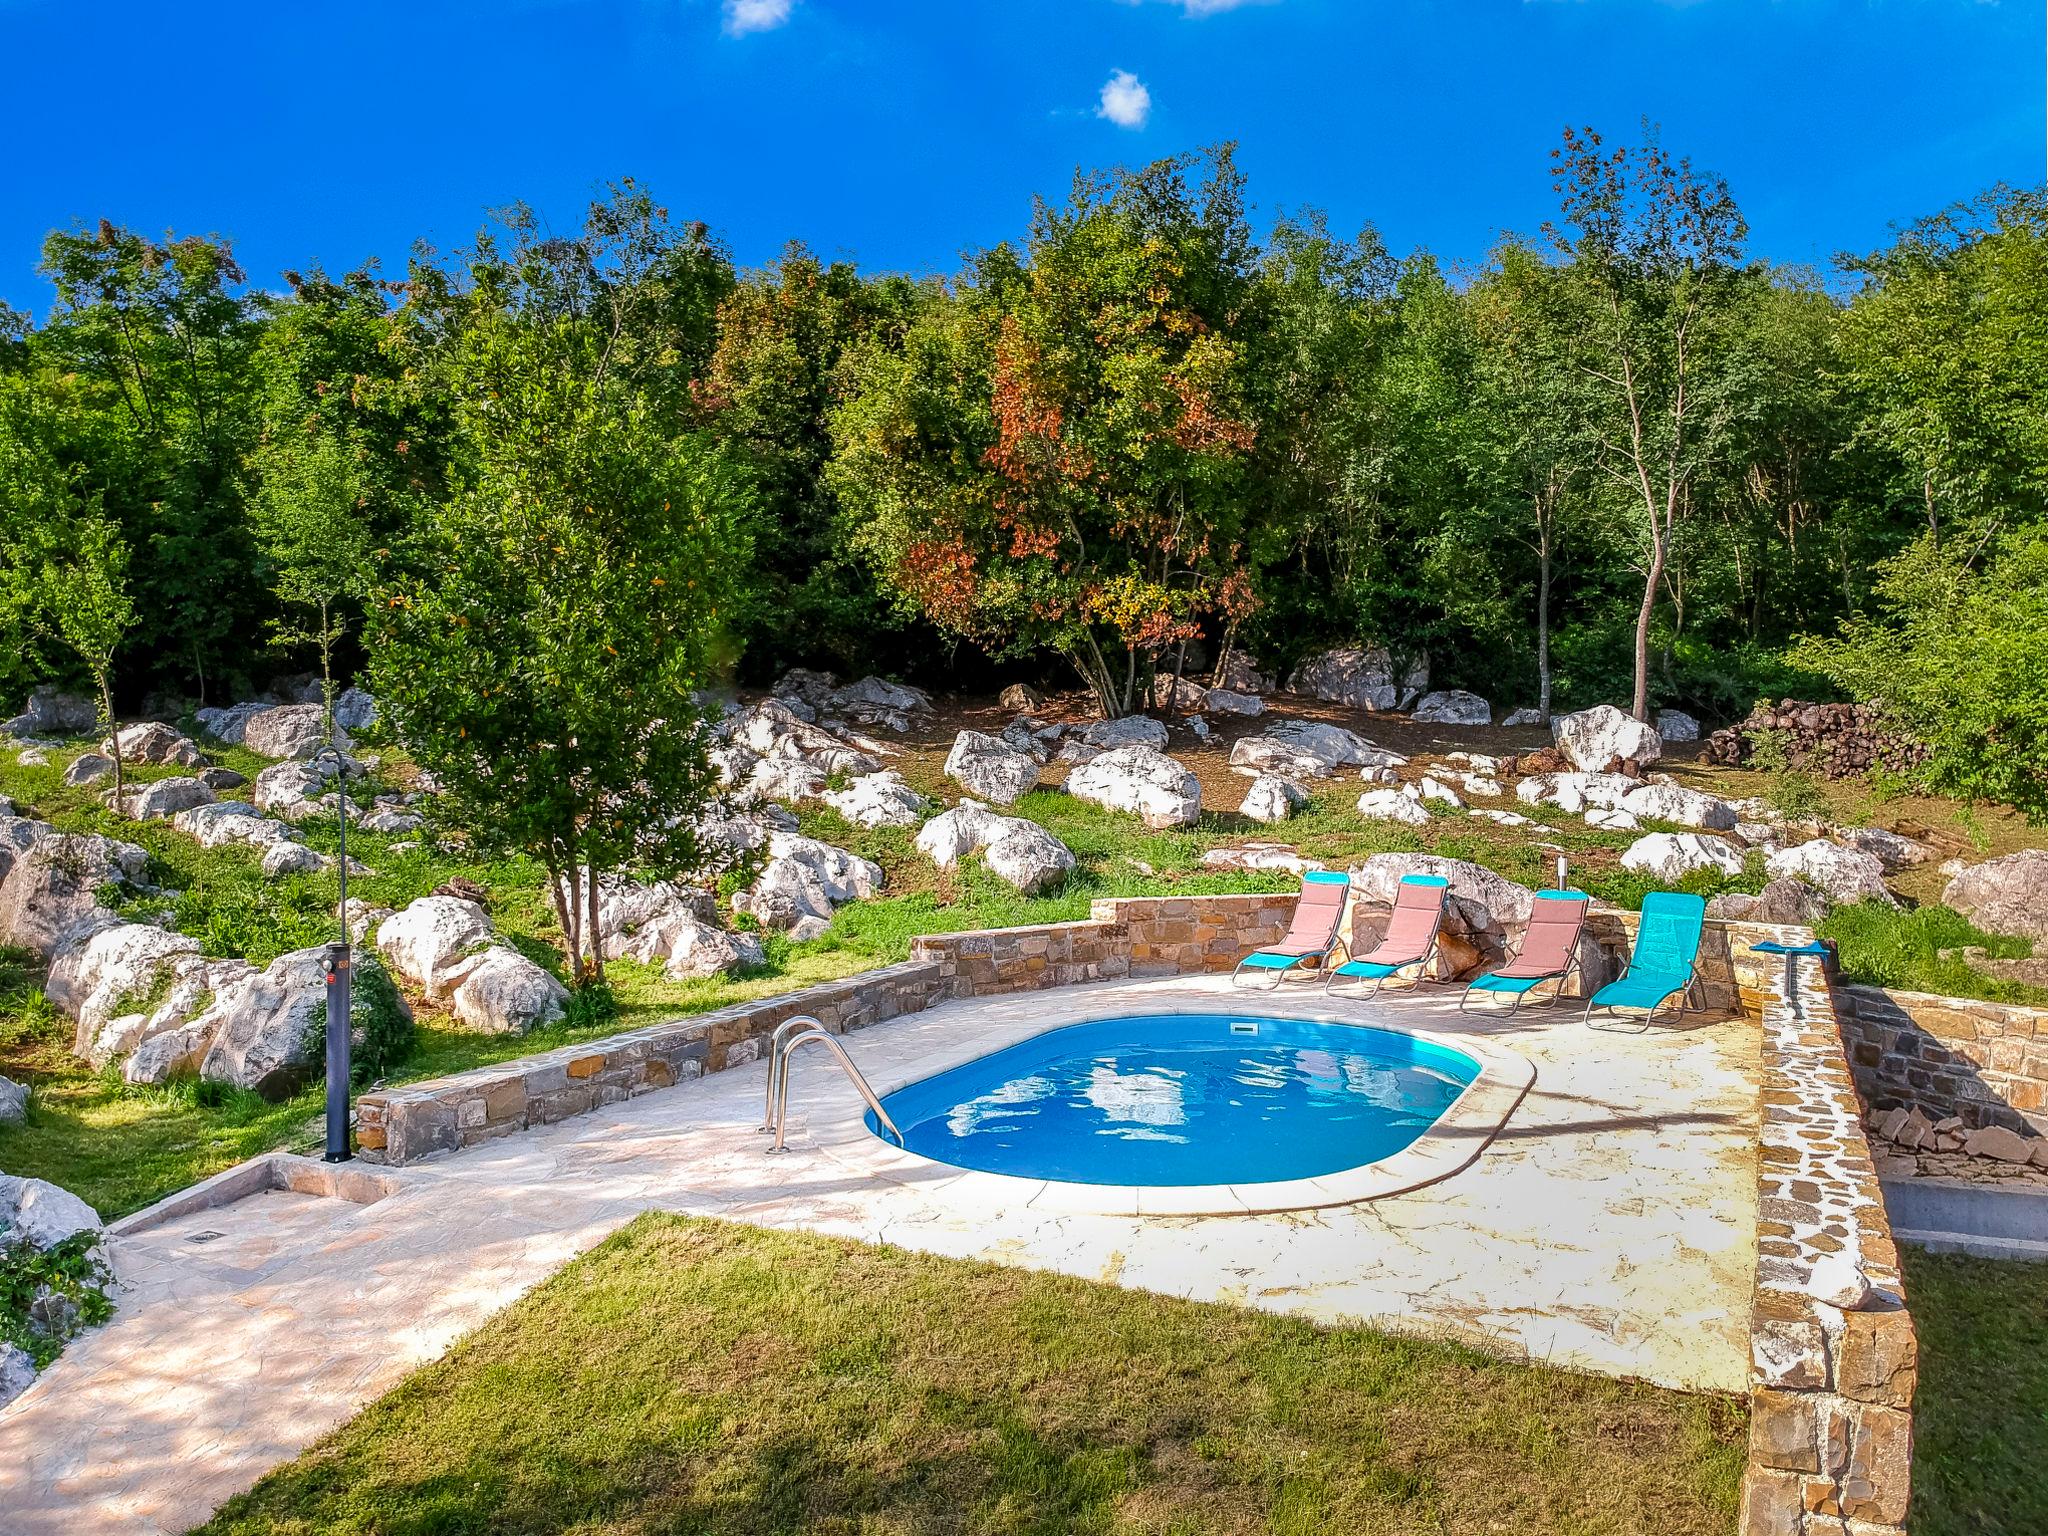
89 768
354 710
872 701
287 731
1843 875
784 778
991 769
1125 731
231 821
1574 792
227 724
1361 676
1612 821
1787 900
1677 725
17 1372
1593 738
1434 788
968 827
1154 787
165 798
1240 674
267 1032
879 800
2006 895
1309 749
1199 727
1521 717
41 1214
803 881
1402 805
108 971
51 712
1889 848
1452 707
1189 695
1687 807
13 1102
49 883
1028 857
1260 856
427 942
153 744
812 689
501 992
281 859
1670 856
221 780
1273 797
1021 699
1228 701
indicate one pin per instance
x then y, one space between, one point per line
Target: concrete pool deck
1609 1226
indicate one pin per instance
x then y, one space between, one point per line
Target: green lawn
698 1377
1980 1464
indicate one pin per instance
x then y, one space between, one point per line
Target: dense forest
1621 460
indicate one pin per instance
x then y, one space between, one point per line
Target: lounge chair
1411 934
1662 965
1311 938
1550 951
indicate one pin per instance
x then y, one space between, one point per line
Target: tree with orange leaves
1056 454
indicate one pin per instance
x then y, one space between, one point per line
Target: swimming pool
1189 1099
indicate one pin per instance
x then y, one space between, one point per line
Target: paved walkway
1610 1227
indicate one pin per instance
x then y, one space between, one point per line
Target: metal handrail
778 1062
853 1074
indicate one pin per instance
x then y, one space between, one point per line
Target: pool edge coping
1452 1143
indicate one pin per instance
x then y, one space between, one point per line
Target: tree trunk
592 928
326 674
1641 707
566 914
106 682
1543 629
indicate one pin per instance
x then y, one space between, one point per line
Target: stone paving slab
1610 1226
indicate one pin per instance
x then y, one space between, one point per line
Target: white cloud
1205 7
1125 101
744 16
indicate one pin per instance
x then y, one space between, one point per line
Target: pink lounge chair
1311 937
1411 933
1550 950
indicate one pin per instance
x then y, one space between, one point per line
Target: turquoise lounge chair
1663 963
1411 935
1550 951
1310 939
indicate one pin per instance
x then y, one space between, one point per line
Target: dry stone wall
1985 1064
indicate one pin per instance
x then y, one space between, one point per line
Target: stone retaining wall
1985 1063
402 1125
1833 1354
1124 936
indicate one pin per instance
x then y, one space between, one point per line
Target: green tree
1653 246
85 585
539 657
311 524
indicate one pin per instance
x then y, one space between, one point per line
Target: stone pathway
1609 1227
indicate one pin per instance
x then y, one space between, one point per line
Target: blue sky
900 132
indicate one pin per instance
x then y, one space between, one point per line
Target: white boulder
13 1101
1227 701
1434 788
281 859
165 798
1308 749
1273 797
1670 856
1594 738
1843 875
1687 807
428 941
501 992
1125 731
2006 895
879 800
1147 783
1028 857
51 712
112 971
231 821
1889 848
1612 820
1452 707
152 744
287 731
1402 805
41 1214
89 768
1521 717
803 881
1361 676
991 769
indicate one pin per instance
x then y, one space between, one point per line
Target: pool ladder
799 1031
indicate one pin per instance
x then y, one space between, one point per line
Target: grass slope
697 1377
1980 1439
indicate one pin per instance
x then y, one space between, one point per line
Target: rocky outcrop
1595 740
51 712
1308 749
1403 805
1273 797
771 730
232 821
1018 851
1671 856
990 768
166 798
1687 807
288 731
112 970
1146 783
2006 895
672 926
226 724
878 800
1185 696
1452 707
1842 875
872 701
153 744
1125 731
268 1031
49 883
803 882
448 948
1240 674
1362 677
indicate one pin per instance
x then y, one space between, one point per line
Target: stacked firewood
1835 741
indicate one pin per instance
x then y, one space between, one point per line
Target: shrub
73 1270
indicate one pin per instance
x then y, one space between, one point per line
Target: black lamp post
338 1066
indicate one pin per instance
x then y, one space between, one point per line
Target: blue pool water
1183 1099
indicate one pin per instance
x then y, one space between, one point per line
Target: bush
1892 948
74 1271
381 1031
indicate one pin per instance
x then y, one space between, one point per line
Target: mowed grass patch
695 1376
1980 1435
